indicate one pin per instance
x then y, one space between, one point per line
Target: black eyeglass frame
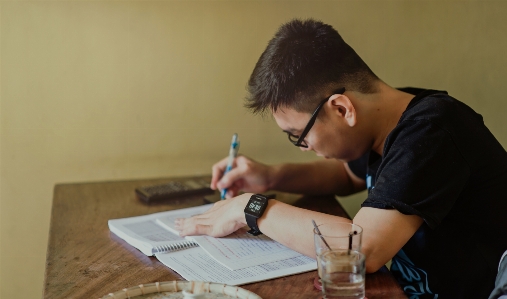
300 141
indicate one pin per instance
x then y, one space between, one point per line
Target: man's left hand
224 218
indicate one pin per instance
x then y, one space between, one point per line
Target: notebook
236 259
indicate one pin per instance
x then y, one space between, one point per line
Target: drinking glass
342 274
339 237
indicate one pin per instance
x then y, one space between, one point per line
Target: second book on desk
155 233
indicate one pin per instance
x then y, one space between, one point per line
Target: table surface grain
85 260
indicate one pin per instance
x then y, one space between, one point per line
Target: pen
233 152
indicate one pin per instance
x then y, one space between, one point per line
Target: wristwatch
254 210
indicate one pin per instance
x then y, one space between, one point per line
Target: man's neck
384 109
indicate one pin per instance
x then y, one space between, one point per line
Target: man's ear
343 107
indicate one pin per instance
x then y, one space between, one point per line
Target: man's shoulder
440 108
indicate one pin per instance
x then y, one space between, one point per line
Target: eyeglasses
300 140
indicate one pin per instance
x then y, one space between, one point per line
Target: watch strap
251 221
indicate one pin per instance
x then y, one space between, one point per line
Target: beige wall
97 90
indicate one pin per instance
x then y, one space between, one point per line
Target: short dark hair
303 58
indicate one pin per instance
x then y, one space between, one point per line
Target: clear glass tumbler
338 236
342 274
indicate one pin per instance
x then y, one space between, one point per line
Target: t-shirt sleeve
422 172
359 166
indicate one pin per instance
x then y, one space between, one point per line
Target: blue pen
233 152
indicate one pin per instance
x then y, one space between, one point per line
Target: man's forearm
319 177
293 226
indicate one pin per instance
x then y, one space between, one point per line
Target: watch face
255 206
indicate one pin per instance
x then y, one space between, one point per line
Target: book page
242 250
239 249
195 264
150 231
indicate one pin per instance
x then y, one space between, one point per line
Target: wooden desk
85 260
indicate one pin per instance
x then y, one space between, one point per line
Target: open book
236 259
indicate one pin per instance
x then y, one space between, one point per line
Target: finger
232 193
230 178
234 190
177 224
217 170
187 226
199 229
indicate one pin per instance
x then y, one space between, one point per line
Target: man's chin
324 156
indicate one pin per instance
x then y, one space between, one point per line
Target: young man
435 174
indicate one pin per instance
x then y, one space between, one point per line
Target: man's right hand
246 175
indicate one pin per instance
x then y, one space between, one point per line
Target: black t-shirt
441 163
